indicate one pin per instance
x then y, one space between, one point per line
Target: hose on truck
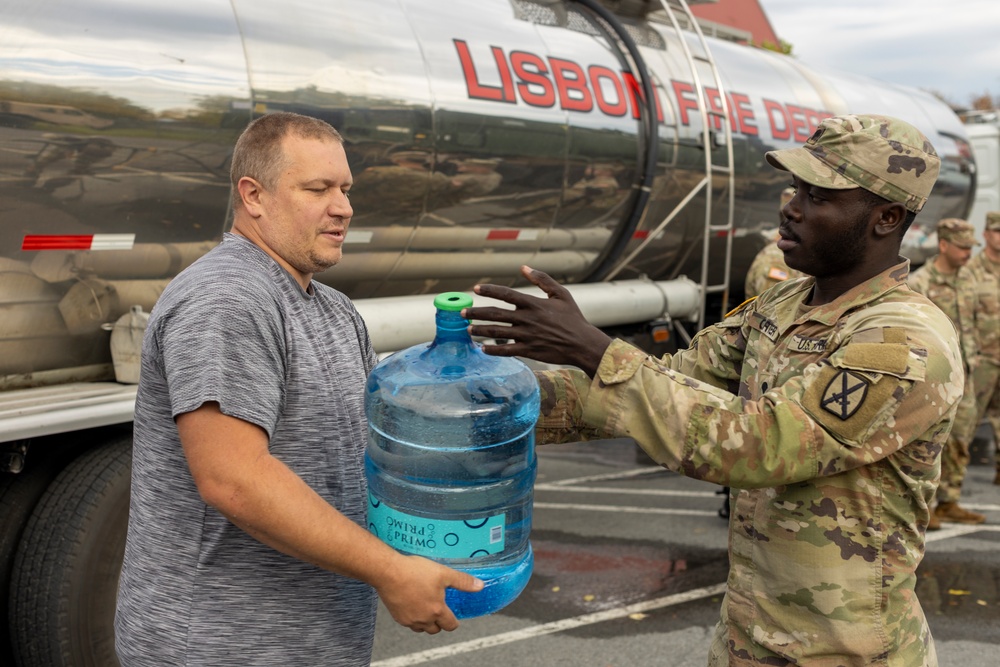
640 195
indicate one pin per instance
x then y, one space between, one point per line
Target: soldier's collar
859 295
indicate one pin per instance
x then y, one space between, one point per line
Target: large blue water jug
451 459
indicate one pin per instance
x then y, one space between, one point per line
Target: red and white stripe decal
78 242
512 235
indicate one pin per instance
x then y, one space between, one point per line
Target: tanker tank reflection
481 136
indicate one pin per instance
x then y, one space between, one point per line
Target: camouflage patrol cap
883 155
993 221
957 231
786 196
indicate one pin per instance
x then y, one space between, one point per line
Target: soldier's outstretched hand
550 329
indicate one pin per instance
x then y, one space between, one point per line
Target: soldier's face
825 233
992 238
954 255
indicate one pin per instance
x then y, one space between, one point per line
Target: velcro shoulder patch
880 335
883 350
878 357
847 403
859 387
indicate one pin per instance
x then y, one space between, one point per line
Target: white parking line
982 507
960 531
624 508
622 474
550 628
570 485
635 492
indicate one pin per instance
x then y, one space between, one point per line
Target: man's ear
891 217
250 191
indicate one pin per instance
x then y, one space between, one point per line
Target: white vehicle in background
983 129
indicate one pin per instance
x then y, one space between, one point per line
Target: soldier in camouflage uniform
768 267
986 267
824 403
945 281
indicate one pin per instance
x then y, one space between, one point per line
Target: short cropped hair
258 153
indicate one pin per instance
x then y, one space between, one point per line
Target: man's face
307 212
992 239
825 233
955 256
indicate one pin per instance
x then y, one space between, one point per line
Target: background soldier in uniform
986 268
945 281
825 403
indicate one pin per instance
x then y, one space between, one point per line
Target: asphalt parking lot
630 565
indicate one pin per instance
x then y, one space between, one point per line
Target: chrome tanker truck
608 143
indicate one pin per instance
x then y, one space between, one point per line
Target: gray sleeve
364 340
226 344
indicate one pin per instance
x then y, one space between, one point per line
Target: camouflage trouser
718 653
955 456
918 651
986 379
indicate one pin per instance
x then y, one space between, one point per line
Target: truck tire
65 577
19 494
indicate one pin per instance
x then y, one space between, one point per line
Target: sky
951 48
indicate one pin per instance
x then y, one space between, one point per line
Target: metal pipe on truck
398 322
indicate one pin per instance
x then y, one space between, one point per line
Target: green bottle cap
452 301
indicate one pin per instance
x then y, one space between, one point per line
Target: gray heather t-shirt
196 590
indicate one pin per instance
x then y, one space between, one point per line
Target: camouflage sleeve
714 357
563 395
716 353
872 396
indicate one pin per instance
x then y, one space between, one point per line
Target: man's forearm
279 509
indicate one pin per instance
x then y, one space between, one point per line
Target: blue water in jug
451 459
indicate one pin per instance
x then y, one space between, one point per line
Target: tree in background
984 102
781 47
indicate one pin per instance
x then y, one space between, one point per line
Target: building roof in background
744 15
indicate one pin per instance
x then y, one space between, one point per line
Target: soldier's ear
891 216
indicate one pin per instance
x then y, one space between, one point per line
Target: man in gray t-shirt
247 542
